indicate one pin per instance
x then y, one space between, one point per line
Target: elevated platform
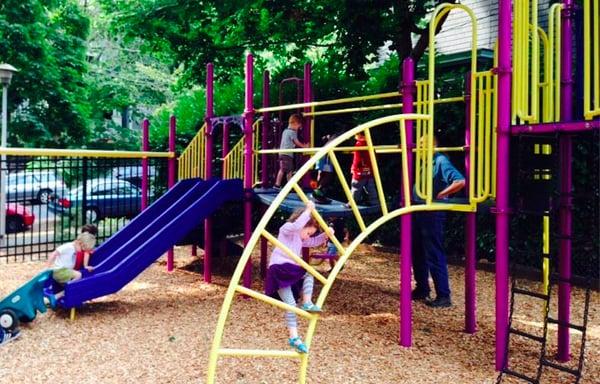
292 202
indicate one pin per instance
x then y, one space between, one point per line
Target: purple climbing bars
408 90
171 177
565 152
145 148
248 160
502 192
470 231
210 112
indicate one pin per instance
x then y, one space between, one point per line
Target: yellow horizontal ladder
192 162
267 221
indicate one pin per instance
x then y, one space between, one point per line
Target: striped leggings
287 296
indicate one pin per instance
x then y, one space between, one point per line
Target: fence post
145 148
171 176
84 194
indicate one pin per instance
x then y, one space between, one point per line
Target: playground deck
159 328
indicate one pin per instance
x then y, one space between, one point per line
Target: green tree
45 40
192 33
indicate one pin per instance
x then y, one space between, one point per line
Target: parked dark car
18 218
104 198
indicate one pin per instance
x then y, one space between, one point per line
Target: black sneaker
439 302
418 295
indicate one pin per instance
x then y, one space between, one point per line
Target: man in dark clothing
429 256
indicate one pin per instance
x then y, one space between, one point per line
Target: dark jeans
429 256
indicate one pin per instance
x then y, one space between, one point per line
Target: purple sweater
289 235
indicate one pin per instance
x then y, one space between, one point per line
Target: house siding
455 35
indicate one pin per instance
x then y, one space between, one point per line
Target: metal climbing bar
329 102
376 175
274 302
273 240
192 162
347 191
233 352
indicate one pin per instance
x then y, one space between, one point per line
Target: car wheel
14 224
8 320
44 196
91 215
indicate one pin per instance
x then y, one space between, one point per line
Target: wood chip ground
160 327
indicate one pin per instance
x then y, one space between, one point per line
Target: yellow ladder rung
274 302
259 353
273 240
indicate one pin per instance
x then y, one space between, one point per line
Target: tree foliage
45 40
351 32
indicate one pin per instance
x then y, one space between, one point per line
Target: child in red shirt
82 258
362 175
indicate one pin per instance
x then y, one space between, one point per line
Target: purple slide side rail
143 248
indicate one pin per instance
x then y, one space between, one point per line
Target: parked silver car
36 185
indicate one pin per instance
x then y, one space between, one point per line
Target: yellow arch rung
346 189
318 217
259 353
273 240
274 302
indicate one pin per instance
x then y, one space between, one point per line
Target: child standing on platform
325 170
285 276
289 140
362 174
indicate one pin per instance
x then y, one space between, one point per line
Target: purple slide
149 235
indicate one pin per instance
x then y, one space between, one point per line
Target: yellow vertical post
72 314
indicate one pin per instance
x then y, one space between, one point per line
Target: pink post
171 177
145 148
470 233
502 191
266 127
248 166
208 244
408 90
306 134
566 176
225 144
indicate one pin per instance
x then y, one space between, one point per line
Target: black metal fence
48 200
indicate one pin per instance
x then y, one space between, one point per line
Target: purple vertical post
208 157
225 144
145 148
566 176
171 177
502 186
306 134
470 232
408 90
266 127
248 166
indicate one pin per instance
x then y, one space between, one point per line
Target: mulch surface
159 328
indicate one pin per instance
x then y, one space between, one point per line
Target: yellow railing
422 128
192 162
266 221
233 162
591 58
82 153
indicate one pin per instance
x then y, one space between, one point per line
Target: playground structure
494 114
535 107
